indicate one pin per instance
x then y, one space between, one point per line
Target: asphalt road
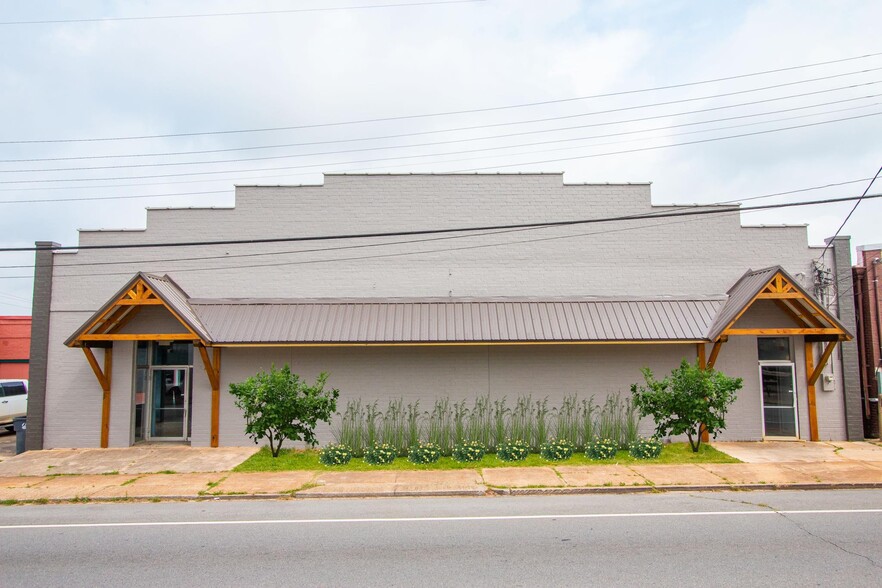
817 538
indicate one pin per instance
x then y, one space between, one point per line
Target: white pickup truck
13 401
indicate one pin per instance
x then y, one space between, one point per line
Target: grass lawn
290 459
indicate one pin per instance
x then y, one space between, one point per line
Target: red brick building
15 346
868 301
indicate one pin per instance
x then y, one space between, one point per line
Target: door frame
792 366
148 416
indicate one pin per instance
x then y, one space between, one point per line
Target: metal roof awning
457 321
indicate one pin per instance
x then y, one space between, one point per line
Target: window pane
141 354
773 348
13 389
176 353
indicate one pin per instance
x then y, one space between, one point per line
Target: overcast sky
130 78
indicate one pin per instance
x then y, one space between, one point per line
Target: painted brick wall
690 255
676 256
426 373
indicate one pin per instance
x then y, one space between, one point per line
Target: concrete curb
681 488
550 491
392 493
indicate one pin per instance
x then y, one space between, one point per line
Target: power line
345 163
241 13
729 211
210 173
512 146
273 253
167 195
683 144
856 204
485 137
477 110
127 197
662 214
408 253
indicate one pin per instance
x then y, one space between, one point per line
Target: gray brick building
548 311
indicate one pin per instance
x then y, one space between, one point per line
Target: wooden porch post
104 378
212 369
812 373
810 389
215 400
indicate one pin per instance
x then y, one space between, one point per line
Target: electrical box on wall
827 384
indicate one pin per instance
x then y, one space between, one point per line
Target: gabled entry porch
151 312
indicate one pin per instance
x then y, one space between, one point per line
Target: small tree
691 400
279 405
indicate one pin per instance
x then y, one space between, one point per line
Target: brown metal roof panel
458 321
597 330
646 325
531 315
627 311
644 320
740 295
573 320
689 316
177 299
678 330
553 325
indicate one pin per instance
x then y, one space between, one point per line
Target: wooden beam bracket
825 356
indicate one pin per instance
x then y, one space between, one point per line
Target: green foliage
690 400
645 448
602 449
279 405
513 450
439 425
567 420
350 431
335 454
521 421
490 422
307 460
424 453
469 451
557 450
380 454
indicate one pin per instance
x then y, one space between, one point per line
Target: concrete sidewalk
81 475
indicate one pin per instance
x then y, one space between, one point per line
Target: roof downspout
860 281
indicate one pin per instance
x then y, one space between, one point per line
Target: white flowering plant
645 448
602 449
513 450
335 454
557 450
469 451
380 454
424 452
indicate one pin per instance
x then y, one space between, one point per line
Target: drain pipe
860 278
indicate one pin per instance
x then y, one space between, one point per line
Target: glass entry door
169 396
779 400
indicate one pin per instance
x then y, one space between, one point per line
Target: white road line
711 513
